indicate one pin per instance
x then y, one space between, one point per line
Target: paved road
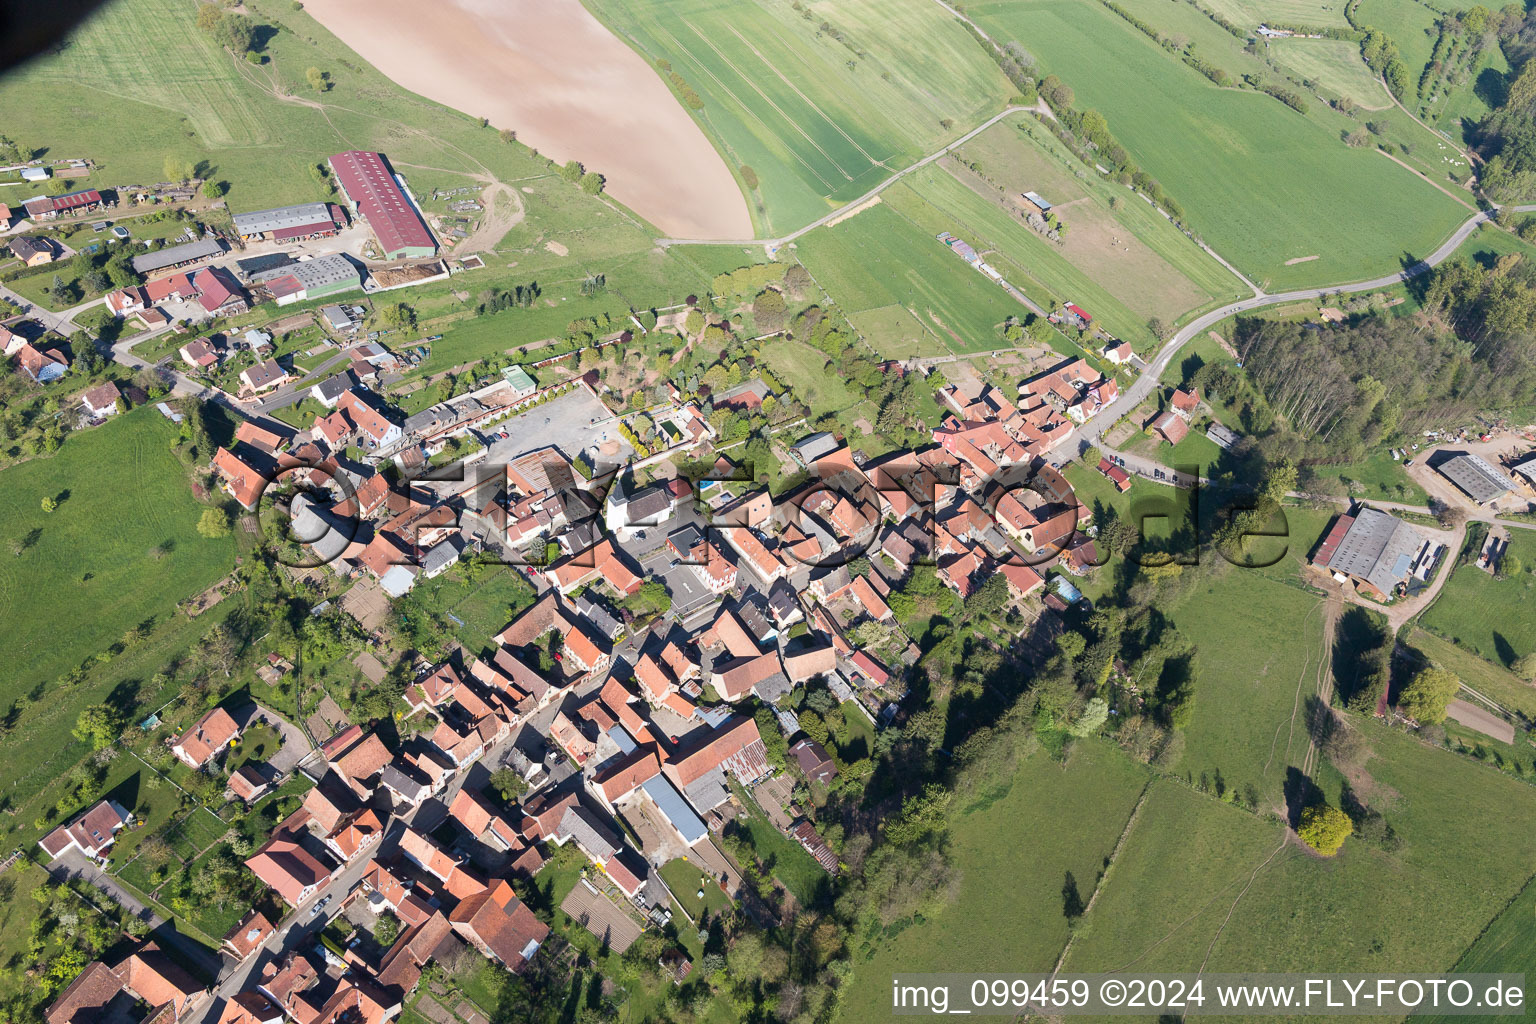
1144 385
59 323
73 864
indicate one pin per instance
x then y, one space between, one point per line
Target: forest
1506 137
1338 391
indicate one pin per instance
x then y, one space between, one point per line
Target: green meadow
121 547
1260 182
1336 65
1015 849
1200 884
1121 244
1252 13
821 101
1493 618
881 258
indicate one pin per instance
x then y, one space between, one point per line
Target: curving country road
1144 385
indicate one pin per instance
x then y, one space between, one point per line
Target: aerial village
692 643
658 687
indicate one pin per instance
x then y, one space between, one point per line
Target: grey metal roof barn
260 222
1378 548
332 268
1476 476
808 449
177 255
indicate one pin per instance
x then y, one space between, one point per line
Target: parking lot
655 558
572 422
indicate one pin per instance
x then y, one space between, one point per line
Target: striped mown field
822 101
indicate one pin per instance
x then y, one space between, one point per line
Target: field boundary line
769 100
754 115
808 101
1098 886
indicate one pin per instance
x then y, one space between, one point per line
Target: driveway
296 745
74 864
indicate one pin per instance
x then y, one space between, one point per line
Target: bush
1324 828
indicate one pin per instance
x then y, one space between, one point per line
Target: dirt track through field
553 73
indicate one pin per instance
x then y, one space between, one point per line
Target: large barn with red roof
373 192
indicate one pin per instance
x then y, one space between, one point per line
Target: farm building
49 207
808 450
1476 477
289 223
961 248
337 318
519 379
1170 426
218 293
373 192
1039 201
1081 315
1223 437
34 252
177 255
1527 468
1376 551
315 279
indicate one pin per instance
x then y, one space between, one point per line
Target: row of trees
1506 137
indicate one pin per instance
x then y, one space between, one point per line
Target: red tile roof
378 197
498 922
207 736
286 867
245 482
736 746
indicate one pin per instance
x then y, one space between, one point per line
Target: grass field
1376 476
1260 182
1493 618
1463 101
881 259
484 607
1504 946
820 106
1485 677
804 369
1014 850
94 558
1411 25
1252 13
151 52
685 880
1188 863
1121 244
1336 65
1259 643
784 858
